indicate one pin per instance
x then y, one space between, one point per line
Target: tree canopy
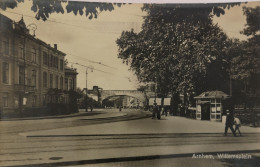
245 66
43 8
179 47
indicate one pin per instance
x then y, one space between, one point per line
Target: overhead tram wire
89 67
68 25
85 28
29 61
128 78
92 61
54 21
82 58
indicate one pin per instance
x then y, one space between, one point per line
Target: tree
179 48
252 19
245 65
43 8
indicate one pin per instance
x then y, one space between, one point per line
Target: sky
83 39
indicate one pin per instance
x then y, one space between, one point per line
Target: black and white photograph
134 83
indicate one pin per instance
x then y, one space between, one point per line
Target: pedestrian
155 110
229 123
164 111
158 113
120 108
237 125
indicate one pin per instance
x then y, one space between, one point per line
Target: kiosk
209 105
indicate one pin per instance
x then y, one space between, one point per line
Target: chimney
55 46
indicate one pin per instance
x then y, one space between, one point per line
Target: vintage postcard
129 83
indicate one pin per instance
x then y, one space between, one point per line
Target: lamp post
91 68
155 88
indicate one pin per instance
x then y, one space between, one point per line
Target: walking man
229 123
238 125
164 111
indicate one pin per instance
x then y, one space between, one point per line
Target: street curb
148 135
54 117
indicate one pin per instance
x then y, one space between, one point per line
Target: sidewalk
168 124
96 113
190 136
174 137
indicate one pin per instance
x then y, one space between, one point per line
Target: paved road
96 140
15 126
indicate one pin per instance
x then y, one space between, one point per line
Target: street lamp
91 69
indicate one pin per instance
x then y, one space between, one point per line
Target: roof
69 70
5 22
212 94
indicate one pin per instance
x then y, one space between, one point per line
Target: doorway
205 111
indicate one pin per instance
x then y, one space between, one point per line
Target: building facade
70 78
29 67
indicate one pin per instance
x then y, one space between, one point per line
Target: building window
44 99
66 84
21 75
45 79
6 46
34 100
33 53
51 61
61 82
61 65
70 84
33 77
5 73
20 51
56 62
45 58
5 101
57 81
51 80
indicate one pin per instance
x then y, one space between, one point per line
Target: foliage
4 4
43 8
245 66
252 19
179 48
246 63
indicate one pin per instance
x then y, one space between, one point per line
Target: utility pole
230 86
91 68
86 90
155 89
22 95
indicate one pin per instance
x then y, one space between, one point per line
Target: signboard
24 101
158 101
167 101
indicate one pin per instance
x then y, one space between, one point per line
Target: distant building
29 68
70 78
95 93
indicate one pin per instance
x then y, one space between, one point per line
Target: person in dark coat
158 113
155 110
229 123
